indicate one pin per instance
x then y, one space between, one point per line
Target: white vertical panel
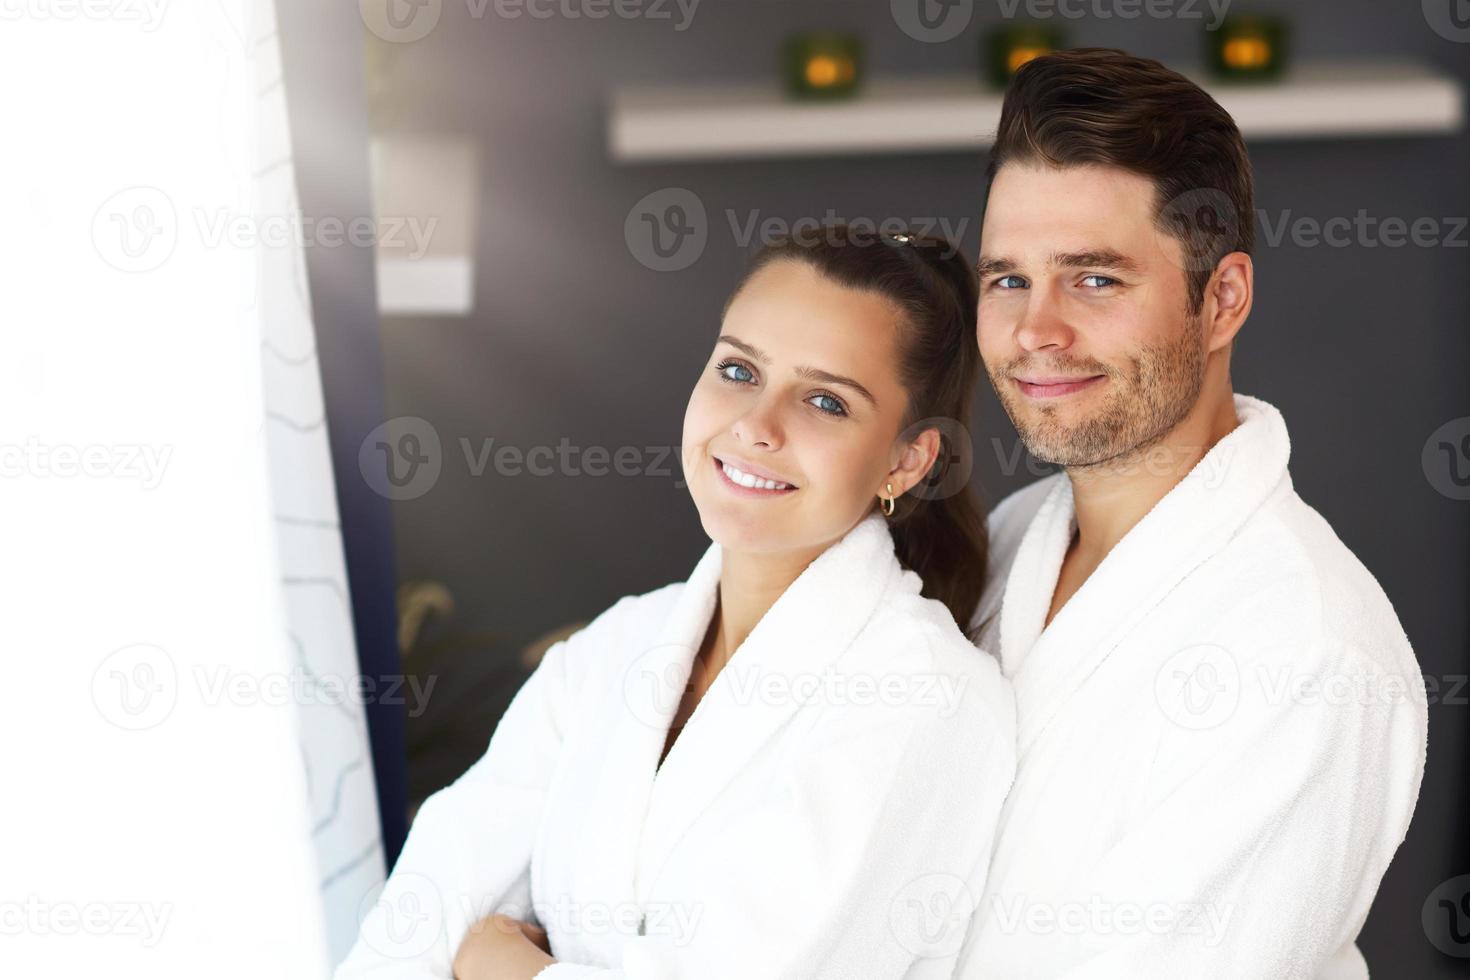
313 569
158 821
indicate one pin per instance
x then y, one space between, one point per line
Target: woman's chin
737 528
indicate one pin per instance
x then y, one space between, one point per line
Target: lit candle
823 65
1011 47
1248 46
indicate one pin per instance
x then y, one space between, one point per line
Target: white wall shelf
1359 99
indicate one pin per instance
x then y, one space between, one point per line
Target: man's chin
1057 449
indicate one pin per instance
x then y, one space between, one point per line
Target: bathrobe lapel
804 631
1047 665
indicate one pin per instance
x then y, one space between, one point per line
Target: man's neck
1112 497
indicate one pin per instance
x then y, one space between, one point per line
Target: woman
791 765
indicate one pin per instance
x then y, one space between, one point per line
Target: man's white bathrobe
1221 735
827 811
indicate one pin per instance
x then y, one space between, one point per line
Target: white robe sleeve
862 861
1265 838
468 852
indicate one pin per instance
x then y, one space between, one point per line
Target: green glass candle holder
1006 49
1248 47
822 65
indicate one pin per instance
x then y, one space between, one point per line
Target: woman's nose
760 426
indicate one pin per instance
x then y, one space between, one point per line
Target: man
1221 722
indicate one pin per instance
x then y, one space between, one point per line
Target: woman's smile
746 480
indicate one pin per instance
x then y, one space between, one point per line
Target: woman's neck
750 584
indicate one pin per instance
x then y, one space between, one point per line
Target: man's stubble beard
1143 404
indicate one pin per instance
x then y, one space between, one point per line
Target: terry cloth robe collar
804 632
1192 521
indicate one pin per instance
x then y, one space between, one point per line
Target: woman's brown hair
938 527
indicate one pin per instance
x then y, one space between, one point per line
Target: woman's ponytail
938 527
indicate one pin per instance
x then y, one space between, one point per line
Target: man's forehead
1043 177
1082 201
1070 217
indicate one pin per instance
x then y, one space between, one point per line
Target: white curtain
188 789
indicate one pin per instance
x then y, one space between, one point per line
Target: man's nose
1042 325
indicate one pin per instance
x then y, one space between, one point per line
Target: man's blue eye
1003 279
1107 280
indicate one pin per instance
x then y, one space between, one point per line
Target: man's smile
1053 386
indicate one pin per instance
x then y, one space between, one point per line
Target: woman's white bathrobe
827 811
1221 734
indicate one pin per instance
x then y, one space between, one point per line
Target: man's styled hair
1105 106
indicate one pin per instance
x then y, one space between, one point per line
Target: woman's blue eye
833 406
735 373
723 367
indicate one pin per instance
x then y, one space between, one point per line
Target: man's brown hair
1105 106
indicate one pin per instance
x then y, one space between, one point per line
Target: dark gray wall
1364 349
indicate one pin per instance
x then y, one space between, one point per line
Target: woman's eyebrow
810 373
750 349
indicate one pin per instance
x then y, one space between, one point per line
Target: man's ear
915 459
1227 299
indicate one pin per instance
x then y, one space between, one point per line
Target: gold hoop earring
887 501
